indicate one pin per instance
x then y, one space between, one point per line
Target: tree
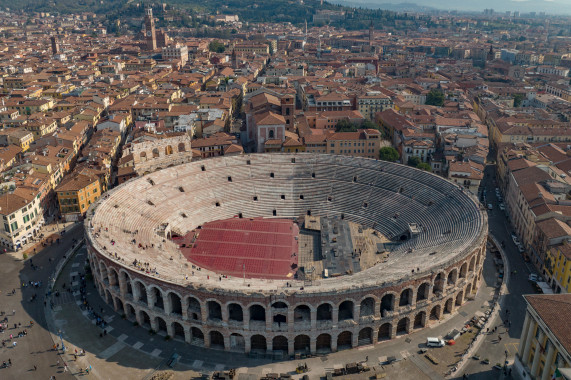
345 125
413 161
216 46
388 153
435 98
518 99
424 166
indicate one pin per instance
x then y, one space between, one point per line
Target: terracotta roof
11 202
554 310
75 182
554 228
269 118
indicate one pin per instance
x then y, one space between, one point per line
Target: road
492 347
35 348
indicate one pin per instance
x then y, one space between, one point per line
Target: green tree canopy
388 153
424 166
518 99
216 46
413 161
435 98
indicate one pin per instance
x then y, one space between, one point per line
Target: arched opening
143 156
279 343
178 330
104 276
235 312
176 305
130 312
385 331
402 326
472 261
145 319
237 343
452 276
156 153
119 305
257 313
435 313
323 344
387 304
423 292
196 336
346 310
344 340
279 313
108 297
365 336
194 312
448 306
161 324
301 343
459 298
367 307
302 314
258 342
181 147
168 150
478 260
420 320
405 297
214 311
128 286
113 277
216 340
468 290
475 284
271 134
439 283
324 312
158 296
464 270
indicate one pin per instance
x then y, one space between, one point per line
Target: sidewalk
51 232
131 352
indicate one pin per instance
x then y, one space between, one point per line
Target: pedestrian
499 338
64 366
14 344
35 368
57 364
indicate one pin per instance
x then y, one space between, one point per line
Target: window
14 226
271 134
26 218
6 227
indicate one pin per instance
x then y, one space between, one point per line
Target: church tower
234 60
371 31
150 33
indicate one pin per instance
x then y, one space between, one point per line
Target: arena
286 253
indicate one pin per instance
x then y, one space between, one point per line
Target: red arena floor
256 248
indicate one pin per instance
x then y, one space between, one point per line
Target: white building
176 52
22 219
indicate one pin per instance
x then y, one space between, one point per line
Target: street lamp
61 338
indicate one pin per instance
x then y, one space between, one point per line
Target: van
434 342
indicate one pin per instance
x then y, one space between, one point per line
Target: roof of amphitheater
131 223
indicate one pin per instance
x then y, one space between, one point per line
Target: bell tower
150 33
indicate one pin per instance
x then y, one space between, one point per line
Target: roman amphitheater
286 253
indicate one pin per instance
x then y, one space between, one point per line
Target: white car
490 206
520 248
515 239
502 206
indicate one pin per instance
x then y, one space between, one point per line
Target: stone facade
150 156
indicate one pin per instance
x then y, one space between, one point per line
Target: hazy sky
549 6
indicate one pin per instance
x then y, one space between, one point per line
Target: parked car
502 206
516 240
490 206
520 248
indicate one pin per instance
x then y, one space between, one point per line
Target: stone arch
387 303
323 343
178 330
475 284
161 324
118 305
143 156
103 270
472 262
175 303
181 148
420 320
468 290
144 319
435 313
302 343
113 277
235 312
279 312
128 283
194 310
367 307
216 339
214 310
478 256
452 276
196 336
237 342
168 150
464 270
257 313
439 282
449 306
325 312
344 340
108 296
156 153
346 310
423 292
302 314
459 298
403 326
142 291
365 336
130 312
385 331
280 343
405 298
157 294
258 342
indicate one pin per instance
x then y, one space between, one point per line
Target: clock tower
150 35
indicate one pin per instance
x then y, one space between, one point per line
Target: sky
548 6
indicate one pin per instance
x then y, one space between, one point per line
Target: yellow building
544 346
17 136
363 143
76 193
558 267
